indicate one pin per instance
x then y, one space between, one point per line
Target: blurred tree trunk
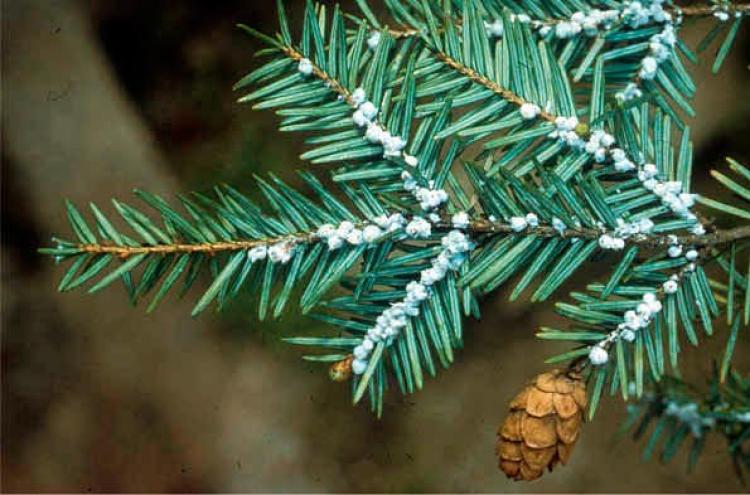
70 132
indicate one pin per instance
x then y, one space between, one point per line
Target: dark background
103 96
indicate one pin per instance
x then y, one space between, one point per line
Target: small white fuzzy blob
280 253
305 67
564 30
326 230
630 92
359 96
649 66
721 15
605 241
691 255
687 199
517 224
698 229
416 292
334 242
627 335
460 220
494 29
523 18
655 306
529 111
410 184
645 225
419 228
598 355
558 225
673 186
371 233
430 198
369 110
411 160
355 237
257 253
456 242
532 220
359 366
670 286
393 145
674 251
359 119
344 228
360 352
373 40
375 133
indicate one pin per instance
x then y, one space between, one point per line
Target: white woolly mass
674 251
494 29
522 18
371 233
632 321
589 23
559 225
688 414
281 252
517 224
359 96
359 119
598 355
419 228
529 111
607 241
670 286
430 198
722 15
305 67
373 40
636 14
257 253
390 223
631 92
365 115
648 68
369 110
346 232
411 160
624 230
601 146
390 322
532 220
460 220
661 45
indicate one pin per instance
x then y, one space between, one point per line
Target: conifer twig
476 227
697 11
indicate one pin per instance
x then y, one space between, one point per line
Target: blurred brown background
103 96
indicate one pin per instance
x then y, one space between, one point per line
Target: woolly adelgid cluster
467 148
390 323
689 415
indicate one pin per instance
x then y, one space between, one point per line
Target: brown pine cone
543 425
341 371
